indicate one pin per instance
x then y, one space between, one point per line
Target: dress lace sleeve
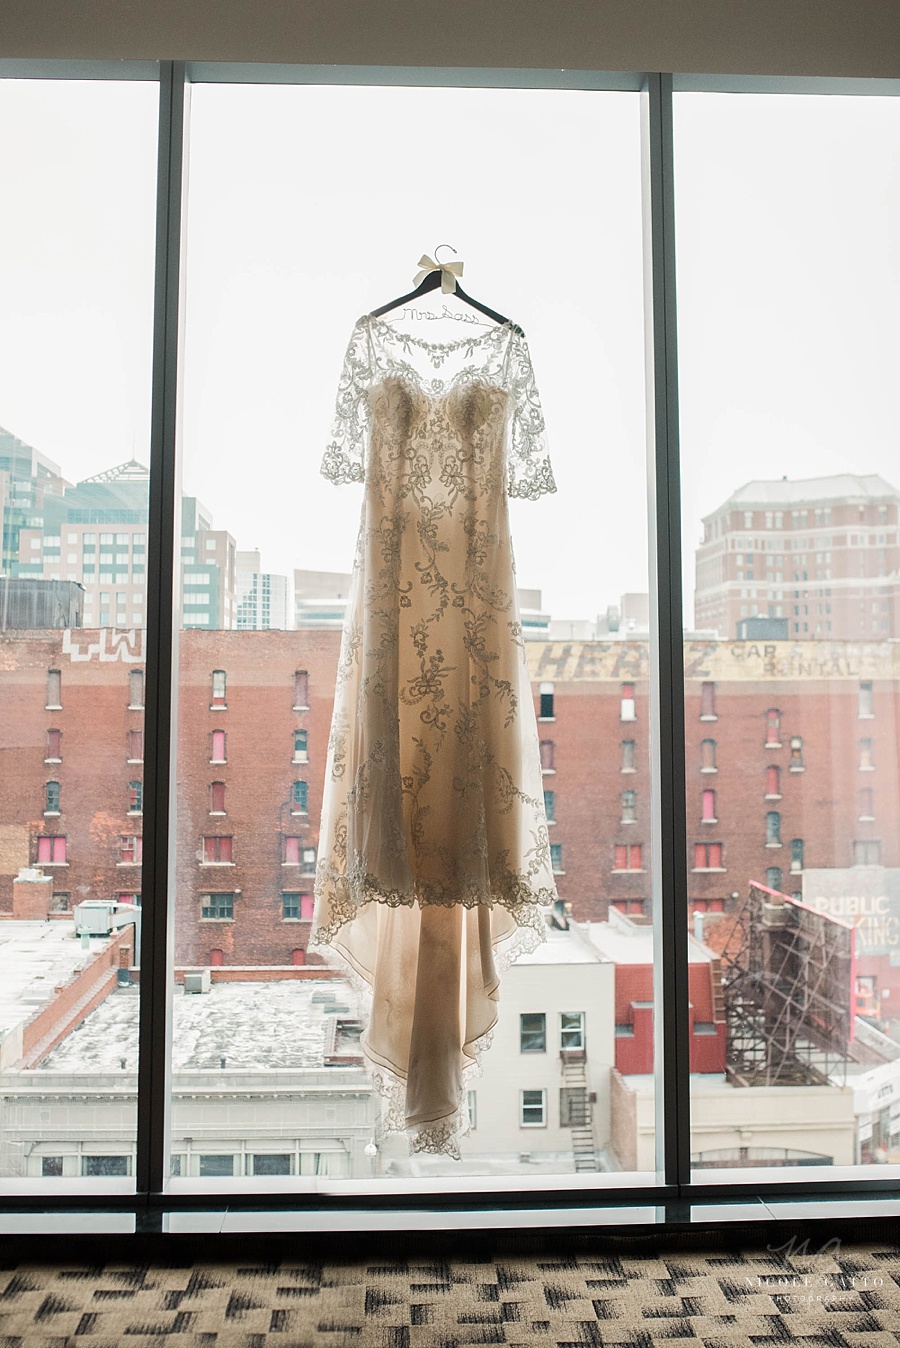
344 458
529 473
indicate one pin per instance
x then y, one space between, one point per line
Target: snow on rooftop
798 491
561 947
36 958
251 1025
622 946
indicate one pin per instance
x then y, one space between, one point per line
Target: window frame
666 684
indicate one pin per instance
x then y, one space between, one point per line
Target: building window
796 764
94 1166
773 829
216 1166
135 797
130 849
472 1110
773 729
291 850
866 853
301 746
571 1030
866 755
534 1109
133 898
51 850
135 746
629 807
217 747
136 689
51 1167
708 756
556 858
533 1032
796 855
217 850
550 806
217 907
708 857
708 702
866 704
547 754
308 860
269 1163
628 857
867 803
54 690
299 794
217 798
53 752
773 877
773 783
301 690
218 689
629 756
51 798
546 696
297 907
626 707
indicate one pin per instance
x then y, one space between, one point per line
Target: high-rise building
263 600
821 553
26 478
208 570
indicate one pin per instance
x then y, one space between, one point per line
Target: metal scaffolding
788 994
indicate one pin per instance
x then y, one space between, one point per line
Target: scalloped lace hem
440 1137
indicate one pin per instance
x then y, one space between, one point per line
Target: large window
790 533
78 164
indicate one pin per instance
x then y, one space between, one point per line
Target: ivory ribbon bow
449 272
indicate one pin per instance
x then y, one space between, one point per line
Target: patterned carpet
833 1295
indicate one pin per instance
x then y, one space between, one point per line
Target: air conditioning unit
199 981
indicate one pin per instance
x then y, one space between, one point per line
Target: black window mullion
669 827
156 935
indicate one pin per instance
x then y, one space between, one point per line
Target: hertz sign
868 897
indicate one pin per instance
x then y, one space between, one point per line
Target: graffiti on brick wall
106 645
629 661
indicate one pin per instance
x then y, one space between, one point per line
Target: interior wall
779 37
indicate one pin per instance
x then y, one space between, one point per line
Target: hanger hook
443 245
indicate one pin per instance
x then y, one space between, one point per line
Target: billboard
866 896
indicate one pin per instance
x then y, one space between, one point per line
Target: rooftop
253 1026
800 491
36 958
562 947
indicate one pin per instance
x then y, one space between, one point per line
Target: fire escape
579 1117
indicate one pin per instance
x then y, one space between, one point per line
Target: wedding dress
434 858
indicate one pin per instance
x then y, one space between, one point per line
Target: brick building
792 764
821 553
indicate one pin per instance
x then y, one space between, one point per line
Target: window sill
709 821
217 863
772 796
629 719
863 715
545 772
59 760
862 768
625 822
773 744
51 863
703 769
532 1125
217 921
214 762
51 814
628 769
707 870
633 870
556 872
135 814
217 814
796 768
135 706
53 706
134 760
550 823
128 863
774 845
300 760
218 706
306 708
297 920
866 819
709 718
546 720
299 814
797 871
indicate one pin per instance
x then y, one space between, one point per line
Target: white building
264 601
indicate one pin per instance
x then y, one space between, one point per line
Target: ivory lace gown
434 857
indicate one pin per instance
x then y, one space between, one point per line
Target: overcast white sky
307 207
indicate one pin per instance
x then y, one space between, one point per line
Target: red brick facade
836 794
